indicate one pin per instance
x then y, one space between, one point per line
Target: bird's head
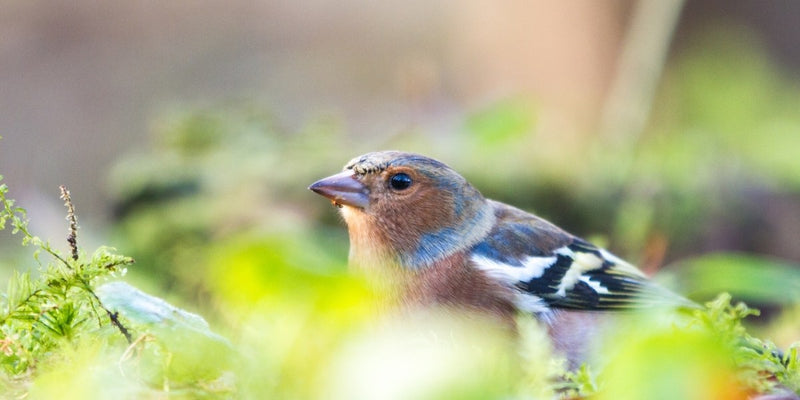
406 208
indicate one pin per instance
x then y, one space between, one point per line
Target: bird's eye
400 181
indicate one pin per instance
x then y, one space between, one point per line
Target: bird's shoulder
517 235
547 267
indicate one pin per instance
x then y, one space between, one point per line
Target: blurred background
188 131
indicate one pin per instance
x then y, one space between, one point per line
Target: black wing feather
580 275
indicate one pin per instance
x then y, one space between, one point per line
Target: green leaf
747 277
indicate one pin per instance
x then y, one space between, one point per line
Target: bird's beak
343 189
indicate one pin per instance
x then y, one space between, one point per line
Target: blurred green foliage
214 173
298 332
688 365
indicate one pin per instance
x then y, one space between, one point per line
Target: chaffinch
419 219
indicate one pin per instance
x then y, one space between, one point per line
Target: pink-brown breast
452 282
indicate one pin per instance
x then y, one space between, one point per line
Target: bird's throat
370 247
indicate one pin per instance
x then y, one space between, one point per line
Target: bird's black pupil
400 181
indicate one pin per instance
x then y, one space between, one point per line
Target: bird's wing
549 268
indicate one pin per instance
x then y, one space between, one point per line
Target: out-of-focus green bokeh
202 179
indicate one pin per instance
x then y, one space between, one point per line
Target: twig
633 87
72 238
112 316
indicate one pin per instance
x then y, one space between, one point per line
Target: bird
442 242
